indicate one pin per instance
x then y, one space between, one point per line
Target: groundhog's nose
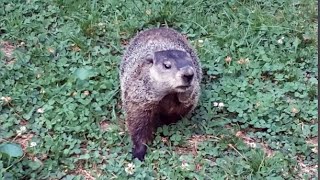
188 75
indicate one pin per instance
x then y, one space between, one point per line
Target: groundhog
160 78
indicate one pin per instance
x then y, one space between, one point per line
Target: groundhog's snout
187 75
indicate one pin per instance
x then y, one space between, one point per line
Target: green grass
61 82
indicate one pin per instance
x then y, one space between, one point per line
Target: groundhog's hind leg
141 129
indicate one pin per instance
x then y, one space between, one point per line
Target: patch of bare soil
193 142
304 169
104 125
7 48
252 143
24 140
83 172
307 169
314 143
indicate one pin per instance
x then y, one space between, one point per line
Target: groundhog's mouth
183 88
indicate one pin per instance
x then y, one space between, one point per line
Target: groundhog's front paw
139 152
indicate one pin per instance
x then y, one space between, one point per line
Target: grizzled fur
151 94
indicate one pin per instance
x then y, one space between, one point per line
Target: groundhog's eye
167 64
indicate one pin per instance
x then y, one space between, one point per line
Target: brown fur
148 102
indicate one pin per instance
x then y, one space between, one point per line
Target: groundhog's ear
188 54
149 59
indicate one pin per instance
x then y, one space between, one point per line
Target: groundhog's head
173 70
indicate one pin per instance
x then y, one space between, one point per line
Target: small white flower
228 59
253 145
130 168
280 41
6 99
148 12
200 41
86 93
100 24
215 104
51 50
23 129
19 132
40 110
33 144
294 110
221 104
185 166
